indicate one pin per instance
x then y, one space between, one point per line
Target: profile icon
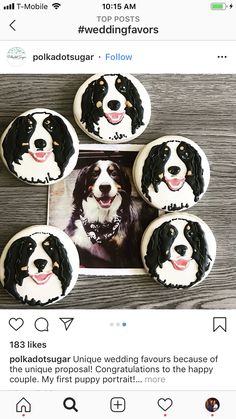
212 404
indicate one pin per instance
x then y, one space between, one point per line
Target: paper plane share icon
67 321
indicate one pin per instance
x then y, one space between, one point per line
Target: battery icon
218 6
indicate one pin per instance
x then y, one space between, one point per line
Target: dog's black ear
80 190
134 106
196 237
62 141
61 264
15 142
158 249
90 112
123 180
16 263
153 168
193 162
80 193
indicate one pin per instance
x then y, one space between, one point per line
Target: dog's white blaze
113 94
170 275
40 133
174 160
104 179
29 169
39 253
180 240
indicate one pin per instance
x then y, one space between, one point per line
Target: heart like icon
16 324
165 404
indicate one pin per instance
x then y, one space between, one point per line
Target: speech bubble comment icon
165 404
41 324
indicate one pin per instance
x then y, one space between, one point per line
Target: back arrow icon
12 24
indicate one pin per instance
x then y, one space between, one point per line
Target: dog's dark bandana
101 232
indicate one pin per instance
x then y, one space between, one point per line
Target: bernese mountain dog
104 224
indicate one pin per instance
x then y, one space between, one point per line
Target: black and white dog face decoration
171 173
178 250
40 147
112 108
101 200
39 265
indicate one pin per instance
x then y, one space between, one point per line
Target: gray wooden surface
201 107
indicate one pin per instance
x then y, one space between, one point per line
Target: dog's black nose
181 249
174 170
40 143
105 188
114 105
40 264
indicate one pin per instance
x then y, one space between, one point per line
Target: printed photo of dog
107 218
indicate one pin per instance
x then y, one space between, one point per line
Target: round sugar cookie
112 108
39 265
40 147
171 173
178 250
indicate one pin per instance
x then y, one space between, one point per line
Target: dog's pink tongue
41 278
114 117
175 183
40 156
180 264
105 202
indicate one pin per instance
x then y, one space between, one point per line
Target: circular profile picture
212 404
16 56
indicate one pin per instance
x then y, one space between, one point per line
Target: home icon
23 406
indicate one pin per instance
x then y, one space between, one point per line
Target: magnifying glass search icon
70 404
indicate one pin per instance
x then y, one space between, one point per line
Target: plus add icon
117 404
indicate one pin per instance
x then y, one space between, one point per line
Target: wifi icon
56 5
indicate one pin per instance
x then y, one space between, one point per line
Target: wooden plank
201 107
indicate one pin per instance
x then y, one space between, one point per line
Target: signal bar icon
10 6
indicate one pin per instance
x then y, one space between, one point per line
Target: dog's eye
48 125
114 173
122 89
164 156
172 231
95 174
189 232
185 155
29 125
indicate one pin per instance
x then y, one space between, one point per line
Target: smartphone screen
118 212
